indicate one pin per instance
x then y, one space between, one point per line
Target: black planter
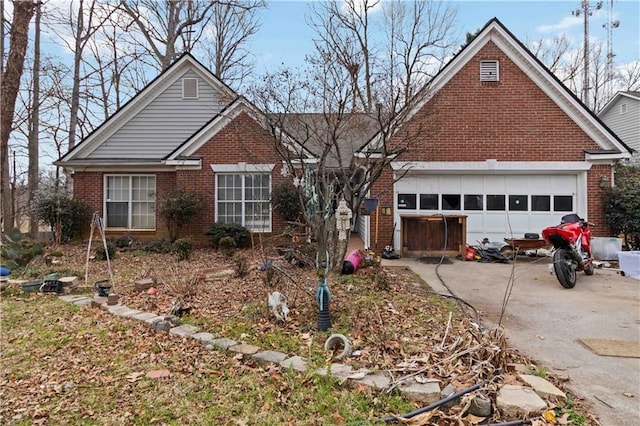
324 316
103 288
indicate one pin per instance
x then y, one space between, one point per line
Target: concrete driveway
544 321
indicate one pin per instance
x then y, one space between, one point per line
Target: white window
130 201
489 71
189 88
623 108
244 199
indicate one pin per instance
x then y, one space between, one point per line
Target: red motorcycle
571 248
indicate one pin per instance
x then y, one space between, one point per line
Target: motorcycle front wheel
563 266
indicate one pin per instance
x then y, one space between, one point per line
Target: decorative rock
173 319
377 381
112 299
69 281
446 393
542 386
184 330
161 325
143 284
425 393
158 374
223 343
480 405
145 316
204 338
244 349
514 401
336 370
269 357
296 363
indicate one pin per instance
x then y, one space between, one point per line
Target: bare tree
169 27
227 33
19 37
629 76
34 126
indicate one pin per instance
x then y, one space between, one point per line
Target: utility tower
586 10
609 26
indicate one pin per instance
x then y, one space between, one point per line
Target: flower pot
103 288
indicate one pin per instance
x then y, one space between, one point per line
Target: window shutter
489 71
189 88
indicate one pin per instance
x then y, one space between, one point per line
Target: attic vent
489 71
189 88
623 108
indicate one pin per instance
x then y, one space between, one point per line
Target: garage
495 205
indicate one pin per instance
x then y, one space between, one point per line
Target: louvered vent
489 71
189 88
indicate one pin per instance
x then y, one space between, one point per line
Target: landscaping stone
146 316
336 370
122 311
480 405
223 343
83 302
269 357
72 298
446 393
542 387
184 330
297 363
160 325
514 401
245 349
173 319
112 299
158 374
377 381
204 338
143 284
425 393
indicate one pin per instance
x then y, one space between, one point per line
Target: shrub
124 242
241 266
159 246
239 233
622 205
18 249
184 247
177 208
286 202
65 215
102 255
228 246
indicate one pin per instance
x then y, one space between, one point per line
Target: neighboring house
508 150
622 115
185 129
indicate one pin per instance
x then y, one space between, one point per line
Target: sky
285 37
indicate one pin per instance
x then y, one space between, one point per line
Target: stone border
515 400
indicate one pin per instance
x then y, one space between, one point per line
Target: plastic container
606 248
630 263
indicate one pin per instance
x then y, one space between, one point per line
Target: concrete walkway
545 321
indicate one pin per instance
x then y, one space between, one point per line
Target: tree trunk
75 91
34 140
19 36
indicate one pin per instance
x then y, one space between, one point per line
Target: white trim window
130 202
244 199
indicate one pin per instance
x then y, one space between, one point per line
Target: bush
159 246
126 241
239 233
65 215
102 255
241 266
18 249
184 247
286 202
177 208
622 205
228 246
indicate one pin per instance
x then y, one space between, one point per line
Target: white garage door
496 206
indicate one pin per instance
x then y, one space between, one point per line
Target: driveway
544 321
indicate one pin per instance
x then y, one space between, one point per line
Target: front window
130 202
244 200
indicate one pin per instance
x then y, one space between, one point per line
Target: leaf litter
394 321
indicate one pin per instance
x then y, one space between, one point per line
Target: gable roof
143 98
494 31
618 96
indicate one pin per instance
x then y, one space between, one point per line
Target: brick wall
243 140
509 120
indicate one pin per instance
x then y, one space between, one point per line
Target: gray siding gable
165 123
626 125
